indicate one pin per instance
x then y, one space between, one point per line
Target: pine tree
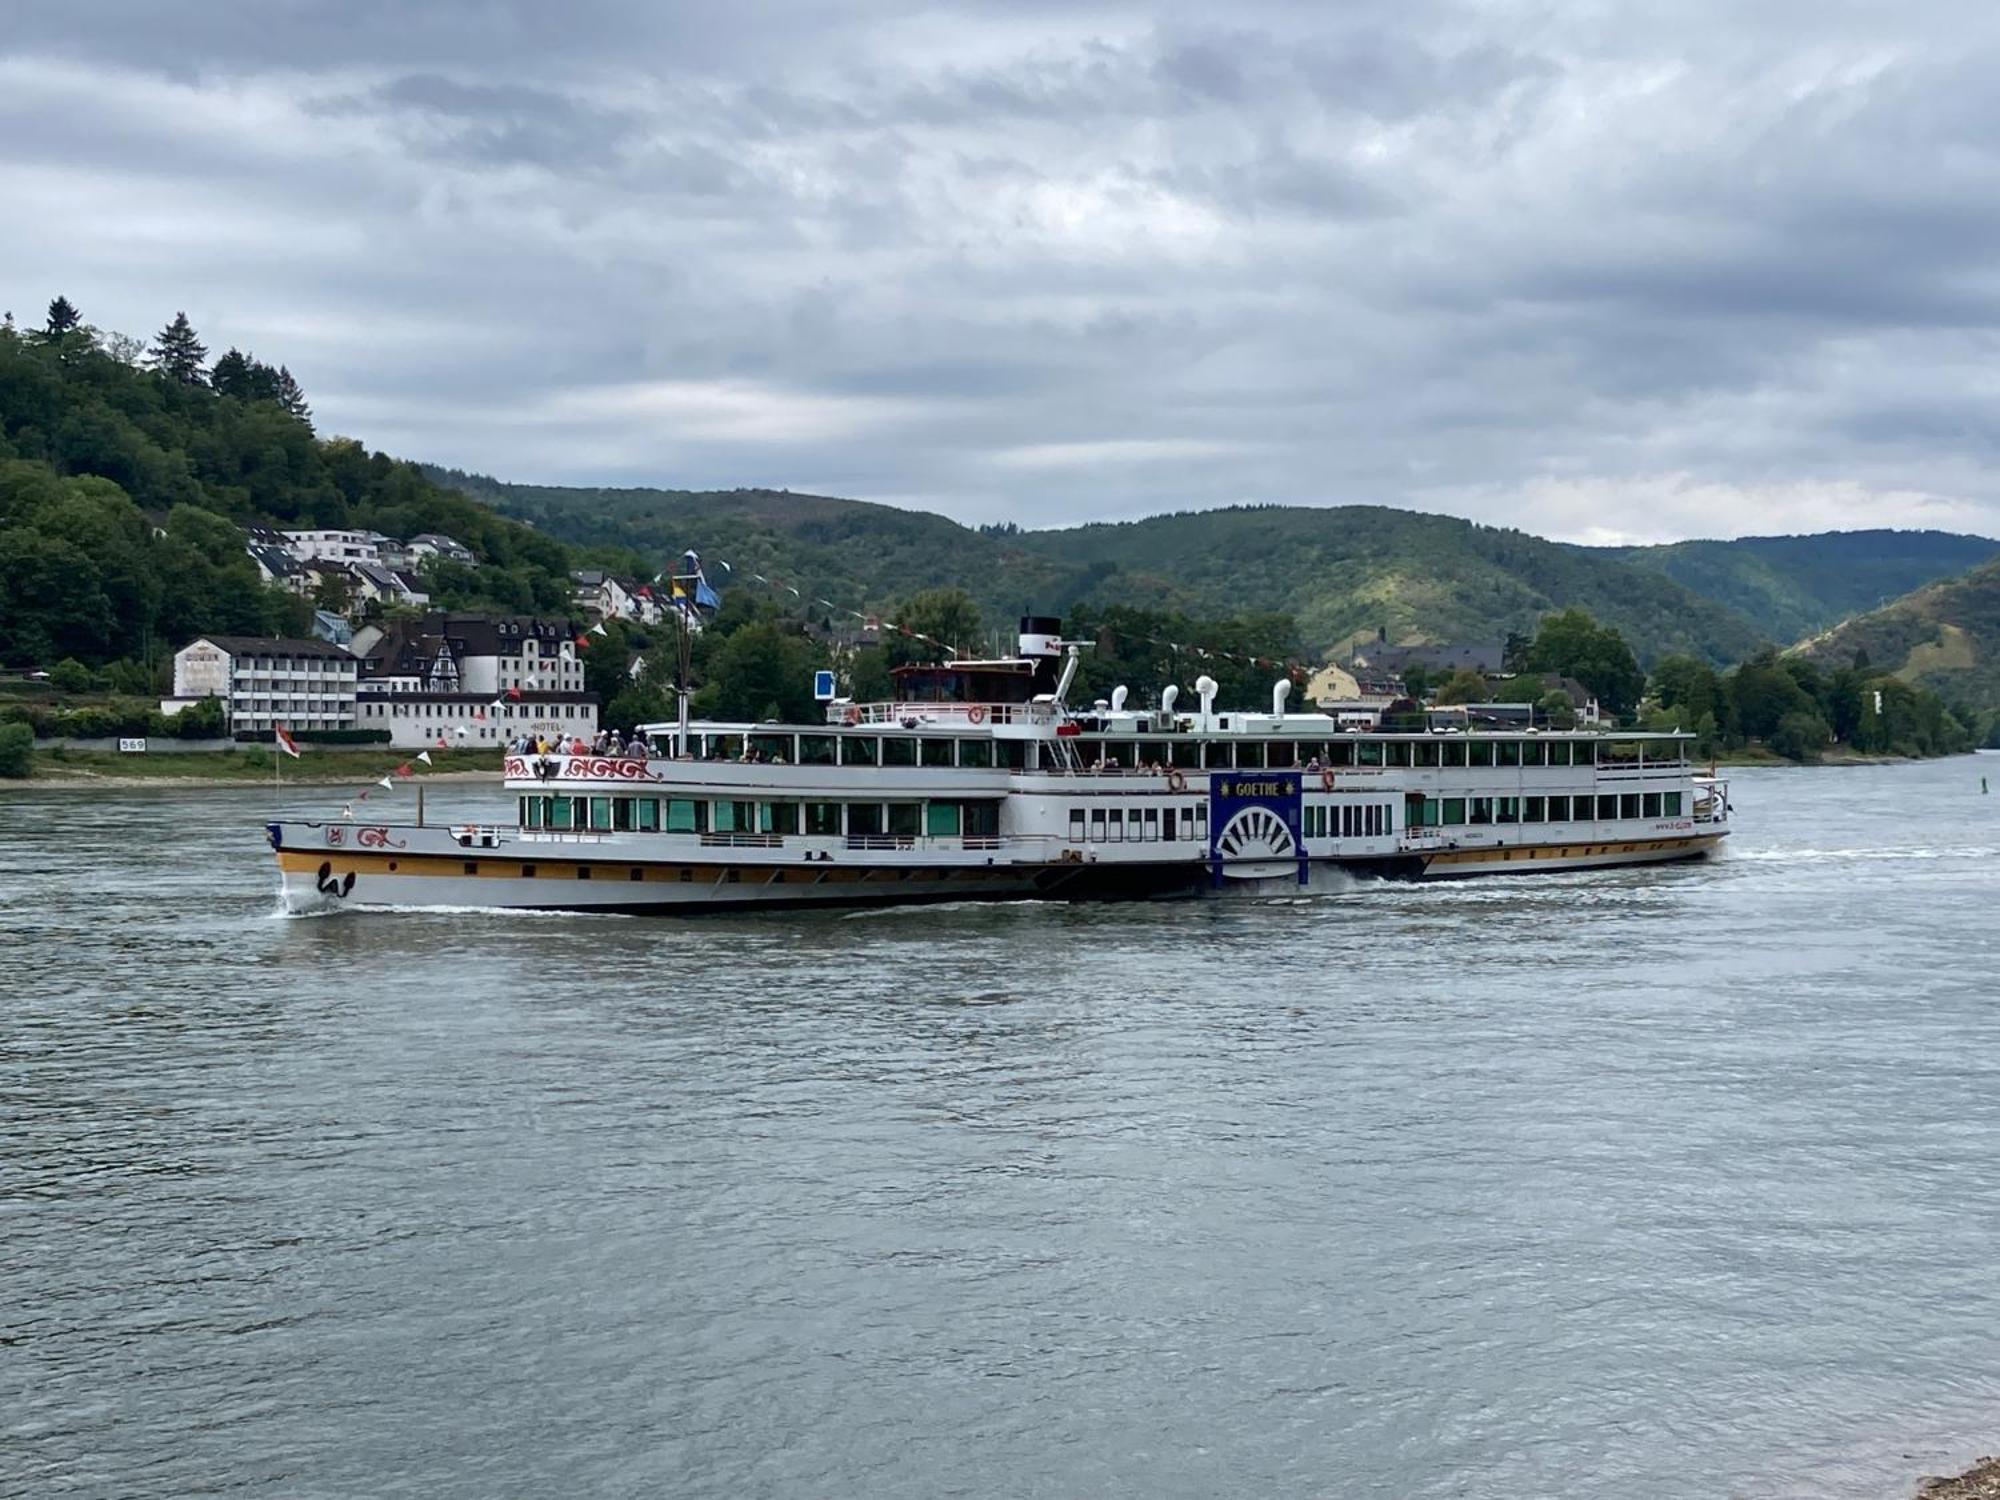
231 375
291 397
63 319
177 353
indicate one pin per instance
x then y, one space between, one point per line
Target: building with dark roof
263 680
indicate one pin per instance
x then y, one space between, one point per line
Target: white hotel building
266 681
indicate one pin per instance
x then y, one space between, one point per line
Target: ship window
1076 825
1673 804
1426 753
1534 809
583 872
621 815
1347 821
783 817
1340 753
1507 753
942 819
1185 754
1167 829
936 752
646 814
863 819
1508 811
1117 829
1396 753
1619 753
1011 754
1558 809
684 816
816 749
1097 825
859 750
1586 753
1628 805
1278 755
559 812
472 867
1479 752
1482 809
637 872
823 820
686 874
527 872
1454 811
1198 822
1454 752
1651 808
1249 755
982 819
904 818
1117 754
773 749
975 754
1215 755
898 750
1369 753
1152 825
1534 753
531 812
735 817
1607 808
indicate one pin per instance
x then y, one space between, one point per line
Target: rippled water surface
1682 1182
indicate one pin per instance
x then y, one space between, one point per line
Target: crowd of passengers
609 743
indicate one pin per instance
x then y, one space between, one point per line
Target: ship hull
451 878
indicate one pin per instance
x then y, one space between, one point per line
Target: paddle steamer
979 781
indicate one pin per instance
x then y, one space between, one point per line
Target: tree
177 353
1800 736
64 320
948 616
1463 686
1514 655
1416 680
231 376
70 676
1556 710
17 748
1574 645
291 397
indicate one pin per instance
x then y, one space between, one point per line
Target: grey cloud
1060 262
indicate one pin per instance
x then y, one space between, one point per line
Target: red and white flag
285 741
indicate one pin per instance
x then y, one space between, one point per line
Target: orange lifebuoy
1176 782
1326 780
976 714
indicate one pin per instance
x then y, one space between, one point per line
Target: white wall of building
417 721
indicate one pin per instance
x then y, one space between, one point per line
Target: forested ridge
127 475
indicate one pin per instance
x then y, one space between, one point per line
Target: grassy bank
253 763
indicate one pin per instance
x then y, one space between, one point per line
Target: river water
1678 1182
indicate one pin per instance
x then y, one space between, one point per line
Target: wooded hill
1793 586
1339 572
1944 636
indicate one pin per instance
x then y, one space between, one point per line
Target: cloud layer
1725 269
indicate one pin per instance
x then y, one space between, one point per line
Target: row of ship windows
938 819
1451 812
1180 754
1148 825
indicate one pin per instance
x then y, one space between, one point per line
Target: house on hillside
1333 684
278 569
436 544
1484 657
336 544
599 593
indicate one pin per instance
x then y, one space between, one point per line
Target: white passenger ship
979 782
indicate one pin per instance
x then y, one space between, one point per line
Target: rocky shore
1980 1482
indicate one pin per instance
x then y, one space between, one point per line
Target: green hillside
1338 571
1793 586
125 488
1944 636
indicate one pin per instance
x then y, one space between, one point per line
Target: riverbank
252 766
1980 1482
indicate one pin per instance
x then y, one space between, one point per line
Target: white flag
424 756
386 784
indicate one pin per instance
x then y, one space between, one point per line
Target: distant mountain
1944 636
1792 586
1341 572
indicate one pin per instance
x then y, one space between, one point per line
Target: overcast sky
1601 271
